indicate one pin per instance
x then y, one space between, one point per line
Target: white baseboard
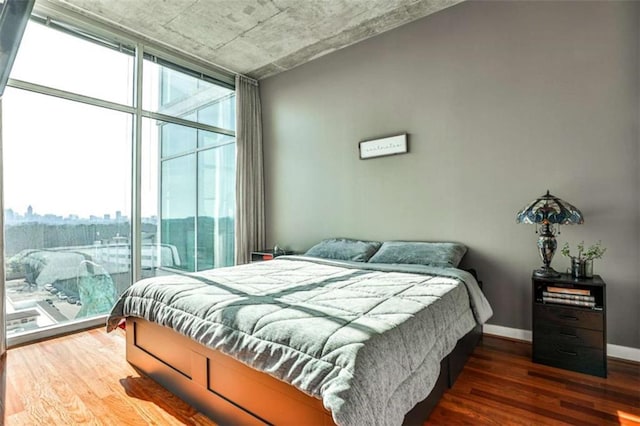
614 351
623 352
512 333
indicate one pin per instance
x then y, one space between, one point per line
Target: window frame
92 30
196 153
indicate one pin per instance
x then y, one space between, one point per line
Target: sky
66 158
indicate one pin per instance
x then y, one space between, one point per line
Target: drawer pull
566 352
573 336
569 317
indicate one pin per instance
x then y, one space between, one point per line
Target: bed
320 339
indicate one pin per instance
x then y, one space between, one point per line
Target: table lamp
547 211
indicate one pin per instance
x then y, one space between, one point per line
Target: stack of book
569 296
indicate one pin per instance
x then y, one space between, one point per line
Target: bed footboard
215 384
232 393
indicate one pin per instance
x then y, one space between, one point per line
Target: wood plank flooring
84 379
501 386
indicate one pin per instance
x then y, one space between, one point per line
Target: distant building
52 218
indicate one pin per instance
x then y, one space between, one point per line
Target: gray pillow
344 249
421 253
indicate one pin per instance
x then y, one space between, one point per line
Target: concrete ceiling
258 38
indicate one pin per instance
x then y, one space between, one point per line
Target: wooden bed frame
232 393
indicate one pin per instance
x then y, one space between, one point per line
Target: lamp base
546 272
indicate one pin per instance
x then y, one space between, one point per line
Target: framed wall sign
381 147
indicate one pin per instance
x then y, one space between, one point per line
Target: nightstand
262 255
570 323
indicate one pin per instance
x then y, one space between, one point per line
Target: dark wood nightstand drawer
568 335
573 317
572 357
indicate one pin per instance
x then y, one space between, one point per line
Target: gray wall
502 101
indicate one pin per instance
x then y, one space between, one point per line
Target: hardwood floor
84 379
500 385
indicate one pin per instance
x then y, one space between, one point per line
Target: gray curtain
250 221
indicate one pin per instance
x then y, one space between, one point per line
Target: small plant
596 251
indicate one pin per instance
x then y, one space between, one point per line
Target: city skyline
30 215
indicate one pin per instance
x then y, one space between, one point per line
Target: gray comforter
367 339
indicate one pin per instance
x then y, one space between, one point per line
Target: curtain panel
250 219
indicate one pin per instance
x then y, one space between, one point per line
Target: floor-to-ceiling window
196 166
71 157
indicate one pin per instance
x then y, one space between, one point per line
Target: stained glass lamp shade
548 211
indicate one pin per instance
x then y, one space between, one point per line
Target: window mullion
58 93
197 215
136 172
188 123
